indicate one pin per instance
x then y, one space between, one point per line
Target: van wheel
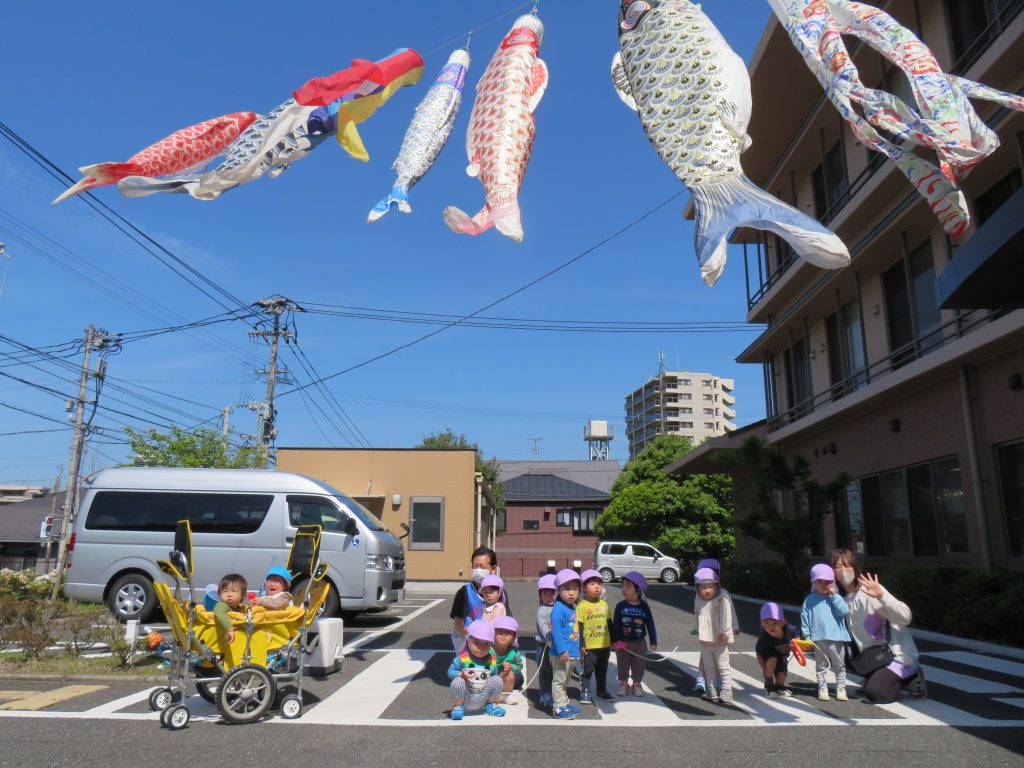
668 576
331 606
131 597
607 575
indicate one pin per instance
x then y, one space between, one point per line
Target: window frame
427 545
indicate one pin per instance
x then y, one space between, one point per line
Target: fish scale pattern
501 126
192 145
680 93
430 128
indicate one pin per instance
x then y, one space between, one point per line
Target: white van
243 521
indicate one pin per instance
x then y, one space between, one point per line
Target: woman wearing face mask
872 607
468 605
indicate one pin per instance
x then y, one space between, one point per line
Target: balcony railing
988 35
928 342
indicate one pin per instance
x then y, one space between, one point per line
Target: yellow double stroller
241 678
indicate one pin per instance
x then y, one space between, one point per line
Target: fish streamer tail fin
722 206
399 198
460 221
98 175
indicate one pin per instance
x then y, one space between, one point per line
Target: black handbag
873 658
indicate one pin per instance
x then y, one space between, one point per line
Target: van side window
616 549
312 510
641 551
207 512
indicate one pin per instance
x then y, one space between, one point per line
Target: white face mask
478 574
847 577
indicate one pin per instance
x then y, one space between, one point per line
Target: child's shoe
823 693
638 690
458 712
700 687
575 710
585 697
769 688
512 697
564 713
494 710
841 694
917 688
710 694
546 700
782 691
605 696
623 688
726 696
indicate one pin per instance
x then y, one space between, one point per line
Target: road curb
56 677
921 634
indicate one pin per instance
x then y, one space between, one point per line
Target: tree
680 516
197 448
489 468
767 473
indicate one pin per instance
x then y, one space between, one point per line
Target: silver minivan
615 558
243 521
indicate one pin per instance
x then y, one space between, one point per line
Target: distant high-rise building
693 405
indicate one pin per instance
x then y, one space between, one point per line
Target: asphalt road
387 707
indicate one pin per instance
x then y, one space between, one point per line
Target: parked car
614 558
243 521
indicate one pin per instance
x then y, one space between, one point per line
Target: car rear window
615 549
160 511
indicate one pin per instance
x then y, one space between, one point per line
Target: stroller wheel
291 707
245 694
207 691
176 717
161 698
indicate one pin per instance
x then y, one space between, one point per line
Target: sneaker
494 710
605 696
782 691
769 688
564 713
841 694
638 690
710 695
823 693
585 697
546 700
623 688
700 687
917 687
575 710
726 696
458 712
512 697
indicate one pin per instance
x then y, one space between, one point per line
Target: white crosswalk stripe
372 696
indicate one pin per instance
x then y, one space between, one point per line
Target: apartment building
693 405
905 369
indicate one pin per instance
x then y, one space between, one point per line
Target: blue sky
86 84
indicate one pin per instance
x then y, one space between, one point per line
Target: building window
563 518
798 375
911 307
918 511
583 520
687 425
684 382
709 411
531 525
687 410
708 398
1011 475
709 425
974 24
706 383
992 199
686 396
426 522
846 358
830 183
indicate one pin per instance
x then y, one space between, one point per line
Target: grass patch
63 664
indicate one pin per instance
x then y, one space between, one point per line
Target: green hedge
965 602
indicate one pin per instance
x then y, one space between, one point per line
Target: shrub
25 585
83 627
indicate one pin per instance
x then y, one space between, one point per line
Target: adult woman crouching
877 619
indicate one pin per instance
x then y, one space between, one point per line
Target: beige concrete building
880 370
693 405
438 494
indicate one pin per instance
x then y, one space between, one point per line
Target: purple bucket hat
772 611
492 581
638 579
822 572
508 623
589 574
564 576
705 576
547 581
481 630
710 563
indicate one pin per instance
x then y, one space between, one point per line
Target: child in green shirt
510 661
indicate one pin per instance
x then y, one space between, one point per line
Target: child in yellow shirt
595 620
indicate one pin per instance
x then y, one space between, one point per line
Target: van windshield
369 519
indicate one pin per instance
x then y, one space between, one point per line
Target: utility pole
275 306
225 425
101 341
53 511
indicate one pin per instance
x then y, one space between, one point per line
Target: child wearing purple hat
773 649
713 564
632 624
546 598
474 674
596 636
510 661
492 588
823 622
565 642
712 613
